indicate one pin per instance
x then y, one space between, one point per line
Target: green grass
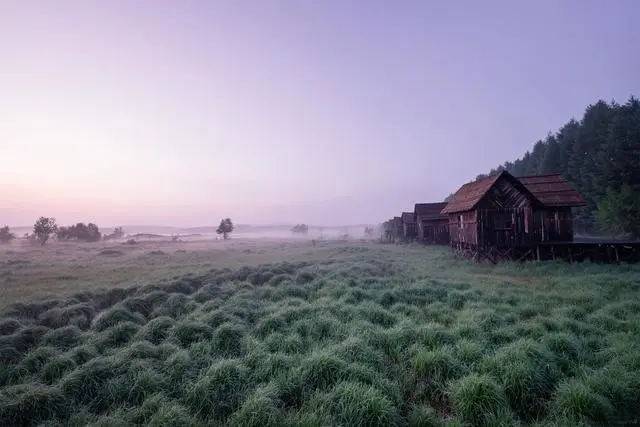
357 334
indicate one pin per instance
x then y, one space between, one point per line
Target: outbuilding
502 216
432 226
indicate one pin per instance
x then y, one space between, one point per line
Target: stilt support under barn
594 251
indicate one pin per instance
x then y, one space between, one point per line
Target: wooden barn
505 217
393 230
432 226
558 197
408 226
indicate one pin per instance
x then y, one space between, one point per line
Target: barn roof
549 190
470 194
407 217
429 210
552 190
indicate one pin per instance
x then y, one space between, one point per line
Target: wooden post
538 252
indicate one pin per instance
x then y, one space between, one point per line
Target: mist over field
319 213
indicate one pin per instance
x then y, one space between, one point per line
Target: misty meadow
302 213
337 333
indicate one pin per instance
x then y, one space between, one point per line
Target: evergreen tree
600 156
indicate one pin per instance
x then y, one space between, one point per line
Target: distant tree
600 155
63 233
86 233
225 228
300 228
6 235
619 210
43 228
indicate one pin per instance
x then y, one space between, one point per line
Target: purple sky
339 112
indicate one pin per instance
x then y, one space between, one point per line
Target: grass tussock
367 336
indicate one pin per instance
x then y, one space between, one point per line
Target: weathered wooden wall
435 231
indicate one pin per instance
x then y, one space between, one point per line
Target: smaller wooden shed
557 197
393 230
408 226
432 226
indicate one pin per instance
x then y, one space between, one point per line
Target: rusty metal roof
553 190
407 217
429 210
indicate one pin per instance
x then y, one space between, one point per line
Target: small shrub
179 368
228 339
619 385
576 401
26 338
138 305
117 335
55 368
140 350
377 315
83 383
260 409
567 349
156 330
436 365
219 391
28 404
424 416
188 332
140 383
321 370
357 350
528 374
37 358
478 398
355 404
79 315
116 315
83 353
176 306
63 338
172 414
290 343
468 352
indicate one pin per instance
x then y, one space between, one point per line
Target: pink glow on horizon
179 113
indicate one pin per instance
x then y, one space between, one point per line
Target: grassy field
286 333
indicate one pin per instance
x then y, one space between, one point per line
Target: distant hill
600 156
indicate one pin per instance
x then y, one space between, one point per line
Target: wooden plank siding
501 212
432 225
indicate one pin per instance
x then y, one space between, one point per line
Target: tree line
45 227
600 155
